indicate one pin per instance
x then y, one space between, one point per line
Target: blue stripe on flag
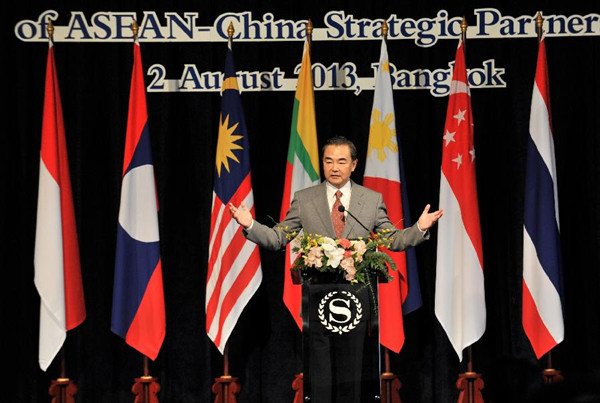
540 218
135 264
143 151
413 300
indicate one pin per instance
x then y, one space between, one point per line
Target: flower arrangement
352 259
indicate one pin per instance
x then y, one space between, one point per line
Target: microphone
341 209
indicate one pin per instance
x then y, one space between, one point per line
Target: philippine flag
383 173
138 312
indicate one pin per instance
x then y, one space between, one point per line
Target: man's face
338 164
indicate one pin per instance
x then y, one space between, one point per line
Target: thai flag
138 312
542 272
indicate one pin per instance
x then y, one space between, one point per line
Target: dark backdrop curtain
265 345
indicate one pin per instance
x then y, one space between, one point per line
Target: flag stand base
298 386
470 385
145 389
226 388
390 388
62 390
552 376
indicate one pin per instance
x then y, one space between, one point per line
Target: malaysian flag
234 271
542 272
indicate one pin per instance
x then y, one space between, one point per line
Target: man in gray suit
312 209
334 360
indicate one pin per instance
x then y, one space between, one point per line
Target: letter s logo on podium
339 308
340 311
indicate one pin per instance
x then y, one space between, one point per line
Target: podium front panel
340 343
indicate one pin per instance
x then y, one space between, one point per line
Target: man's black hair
340 141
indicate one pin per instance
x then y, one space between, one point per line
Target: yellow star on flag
381 135
226 144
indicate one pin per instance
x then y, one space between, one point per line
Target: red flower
344 243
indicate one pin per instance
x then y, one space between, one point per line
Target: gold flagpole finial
539 21
50 29
230 30
385 29
463 27
135 28
309 28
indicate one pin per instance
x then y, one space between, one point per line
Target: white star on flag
449 137
460 116
458 161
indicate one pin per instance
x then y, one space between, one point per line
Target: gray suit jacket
309 211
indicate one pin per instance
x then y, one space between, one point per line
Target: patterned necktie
337 216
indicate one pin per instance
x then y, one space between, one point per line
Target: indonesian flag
542 266
382 174
302 169
459 289
56 256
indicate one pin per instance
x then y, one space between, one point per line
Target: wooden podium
340 339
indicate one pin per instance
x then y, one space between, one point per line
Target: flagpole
146 387
470 382
298 382
309 30
226 387
62 389
550 374
391 384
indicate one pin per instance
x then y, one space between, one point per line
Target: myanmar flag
302 168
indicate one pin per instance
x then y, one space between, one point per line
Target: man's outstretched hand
427 219
241 215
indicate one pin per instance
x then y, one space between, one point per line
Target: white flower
333 253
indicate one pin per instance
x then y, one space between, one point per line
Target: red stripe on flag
287 190
138 113
147 330
391 197
539 336
393 294
231 250
227 261
55 157
292 293
393 201
217 233
541 78
237 288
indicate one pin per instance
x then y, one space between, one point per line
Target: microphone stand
342 209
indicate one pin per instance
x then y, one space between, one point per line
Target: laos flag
138 311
